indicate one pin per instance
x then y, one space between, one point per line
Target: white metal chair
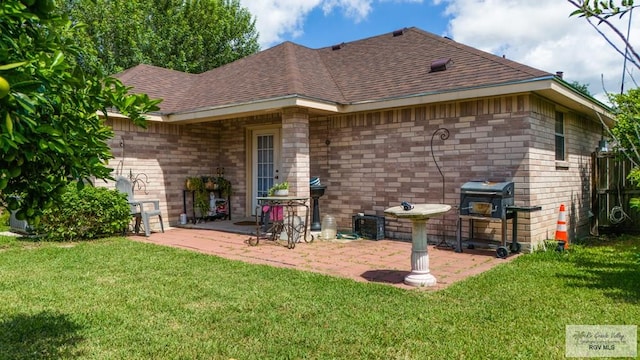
140 209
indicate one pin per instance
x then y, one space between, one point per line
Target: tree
602 11
186 35
583 88
626 131
51 92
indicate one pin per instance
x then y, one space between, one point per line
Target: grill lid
504 188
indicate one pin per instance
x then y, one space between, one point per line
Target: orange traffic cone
561 229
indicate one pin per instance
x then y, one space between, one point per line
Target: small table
419 215
287 224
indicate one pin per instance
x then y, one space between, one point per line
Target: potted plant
210 183
201 195
224 186
192 182
281 189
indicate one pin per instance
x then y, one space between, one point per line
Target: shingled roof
388 66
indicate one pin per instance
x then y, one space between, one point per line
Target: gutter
547 86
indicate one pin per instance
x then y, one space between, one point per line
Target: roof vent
441 64
337 47
559 74
398 32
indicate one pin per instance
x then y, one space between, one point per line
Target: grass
119 299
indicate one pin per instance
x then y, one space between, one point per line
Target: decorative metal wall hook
139 181
444 135
120 166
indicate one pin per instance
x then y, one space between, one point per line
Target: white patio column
295 150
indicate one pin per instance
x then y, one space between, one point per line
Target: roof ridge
331 73
294 77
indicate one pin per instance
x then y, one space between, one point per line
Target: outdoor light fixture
603 145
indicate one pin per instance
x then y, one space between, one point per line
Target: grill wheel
502 252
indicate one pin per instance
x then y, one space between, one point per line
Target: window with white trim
560 148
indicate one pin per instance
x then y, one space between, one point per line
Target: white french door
266 162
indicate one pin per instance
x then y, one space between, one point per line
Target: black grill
490 201
486 198
486 201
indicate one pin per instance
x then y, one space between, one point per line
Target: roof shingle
380 67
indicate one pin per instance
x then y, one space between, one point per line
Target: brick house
361 115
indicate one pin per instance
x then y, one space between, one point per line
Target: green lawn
118 299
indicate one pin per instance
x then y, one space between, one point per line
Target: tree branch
588 13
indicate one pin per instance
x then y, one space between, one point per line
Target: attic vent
337 47
441 64
398 32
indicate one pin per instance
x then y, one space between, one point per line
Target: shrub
89 213
4 219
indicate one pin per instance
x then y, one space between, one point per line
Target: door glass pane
265 163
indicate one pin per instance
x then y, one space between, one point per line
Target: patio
383 261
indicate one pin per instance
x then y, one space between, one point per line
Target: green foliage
224 185
121 299
197 185
4 219
583 88
605 9
50 131
627 128
278 186
192 36
86 213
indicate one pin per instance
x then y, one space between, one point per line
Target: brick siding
376 160
371 161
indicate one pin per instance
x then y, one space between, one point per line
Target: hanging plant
224 186
210 183
201 195
191 183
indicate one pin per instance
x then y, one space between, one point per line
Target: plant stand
194 219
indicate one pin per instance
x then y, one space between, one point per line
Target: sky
537 33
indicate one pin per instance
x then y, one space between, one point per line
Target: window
559 136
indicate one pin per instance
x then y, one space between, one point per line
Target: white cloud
277 17
537 33
274 18
541 34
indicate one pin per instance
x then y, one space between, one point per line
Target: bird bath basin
419 215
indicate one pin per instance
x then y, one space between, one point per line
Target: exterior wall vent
441 64
398 32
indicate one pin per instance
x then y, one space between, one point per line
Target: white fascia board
252 108
548 87
583 104
117 115
545 86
